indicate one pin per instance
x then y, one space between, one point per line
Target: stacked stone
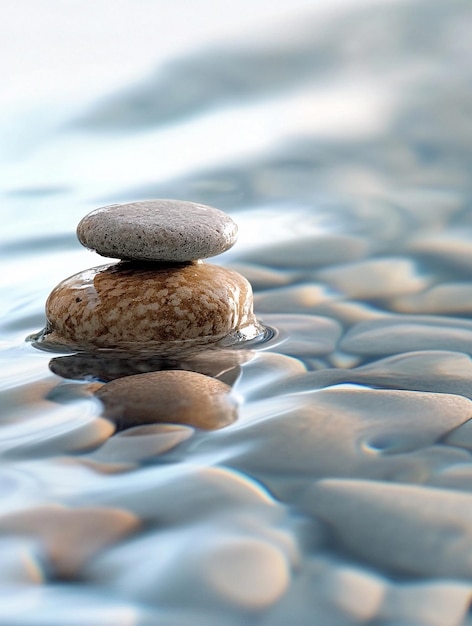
161 298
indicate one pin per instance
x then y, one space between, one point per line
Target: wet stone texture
162 309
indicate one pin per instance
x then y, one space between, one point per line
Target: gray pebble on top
157 230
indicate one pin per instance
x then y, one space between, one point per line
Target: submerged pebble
406 333
294 299
409 529
304 252
160 309
236 566
140 442
438 371
375 278
173 396
444 299
302 335
157 230
70 537
337 432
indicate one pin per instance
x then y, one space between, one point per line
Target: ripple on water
337 432
139 443
406 333
166 494
56 605
301 335
439 371
106 366
59 429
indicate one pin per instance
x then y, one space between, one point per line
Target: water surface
339 140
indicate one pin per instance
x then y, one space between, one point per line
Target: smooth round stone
163 310
293 299
375 278
169 396
445 299
236 562
409 529
70 537
449 246
141 442
439 371
246 572
329 592
168 493
408 333
442 602
338 432
157 230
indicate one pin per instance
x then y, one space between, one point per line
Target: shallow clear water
338 137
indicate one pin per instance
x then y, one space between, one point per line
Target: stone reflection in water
222 364
172 396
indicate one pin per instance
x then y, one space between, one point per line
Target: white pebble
157 230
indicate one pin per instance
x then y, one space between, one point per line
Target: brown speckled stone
171 396
165 310
157 230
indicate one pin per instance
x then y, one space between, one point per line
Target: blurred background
237 103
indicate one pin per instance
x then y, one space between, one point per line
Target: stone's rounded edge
248 337
157 230
169 396
155 309
50 341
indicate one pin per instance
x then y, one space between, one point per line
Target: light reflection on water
342 494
